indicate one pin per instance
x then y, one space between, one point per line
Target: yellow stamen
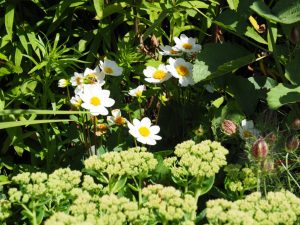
95 101
144 131
139 93
187 46
108 70
247 134
173 52
120 120
182 70
78 80
159 74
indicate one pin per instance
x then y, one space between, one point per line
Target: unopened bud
228 127
296 124
271 138
267 165
292 143
260 149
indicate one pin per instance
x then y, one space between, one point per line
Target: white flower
96 99
182 70
137 92
158 75
76 101
62 83
247 129
143 131
168 50
110 67
77 79
116 117
187 44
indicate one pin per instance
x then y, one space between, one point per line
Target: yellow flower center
95 101
91 78
187 46
173 52
159 74
247 134
120 120
139 93
108 70
78 80
182 70
144 131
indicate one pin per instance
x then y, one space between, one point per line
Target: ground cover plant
149 112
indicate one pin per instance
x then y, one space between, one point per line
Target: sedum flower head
133 162
167 203
197 160
5 212
276 208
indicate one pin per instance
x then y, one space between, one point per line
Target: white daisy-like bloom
116 117
158 75
62 83
76 101
247 130
186 44
169 50
182 70
110 67
137 92
77 79
95 99
143 131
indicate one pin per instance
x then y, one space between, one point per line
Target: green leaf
204 186
292 70
119 184
286 12
4 180
4 125
9 20
283 94
39 112
233 4
159 20
214 60
99 6
218 102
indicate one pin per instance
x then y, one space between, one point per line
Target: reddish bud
228 127
292 143
271 138
260 149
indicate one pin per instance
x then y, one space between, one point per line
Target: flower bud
292 143
267 165
295 124
260 149
228 127
271 138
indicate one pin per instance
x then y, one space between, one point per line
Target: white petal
151 142
155 129
146 122
109 102
142 140
156 137
136 123
116 113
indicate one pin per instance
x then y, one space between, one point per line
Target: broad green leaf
206 185
4 180
9 19
194 4
218 102
119 184
292 70
233 4
3 57
283 94
215 60
262 82
286 12
4 125
99 6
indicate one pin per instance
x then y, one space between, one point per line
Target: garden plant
149 112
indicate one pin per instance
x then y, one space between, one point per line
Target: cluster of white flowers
276 208
179 67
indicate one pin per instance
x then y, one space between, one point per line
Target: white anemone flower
169 50
110 67
247 130
96 99
137 92
158 75
182 70
77 79
144 132
116 118
187 44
